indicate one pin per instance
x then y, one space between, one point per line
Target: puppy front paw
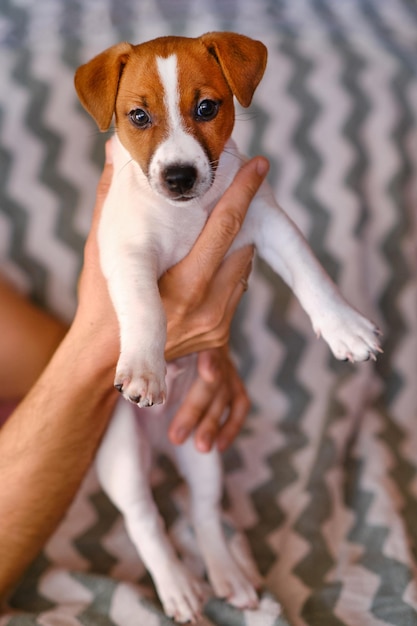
141 382
351 337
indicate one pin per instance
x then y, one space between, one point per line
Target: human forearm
29 338
45 449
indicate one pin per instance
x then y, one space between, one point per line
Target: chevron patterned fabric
323 477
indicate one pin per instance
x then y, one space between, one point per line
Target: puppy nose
180 178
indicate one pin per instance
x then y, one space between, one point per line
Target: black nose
180 178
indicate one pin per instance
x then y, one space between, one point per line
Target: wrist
90 357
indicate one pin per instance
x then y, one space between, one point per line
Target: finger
232 303
210 424
103 183
90 249
106 176
231 280
227 217
238 411
108 151
190 412
235 267
209 365
224 296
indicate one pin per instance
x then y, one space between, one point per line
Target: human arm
48 442
31 335
28 339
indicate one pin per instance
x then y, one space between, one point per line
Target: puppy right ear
97 83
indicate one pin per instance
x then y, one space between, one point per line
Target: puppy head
172 99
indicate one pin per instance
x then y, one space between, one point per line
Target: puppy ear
241 59
97 83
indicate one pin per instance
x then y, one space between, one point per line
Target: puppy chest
175 238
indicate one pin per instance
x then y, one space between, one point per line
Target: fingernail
262 166
205 442
180 434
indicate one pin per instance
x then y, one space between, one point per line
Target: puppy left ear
242 60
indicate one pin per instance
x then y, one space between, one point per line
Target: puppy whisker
247 116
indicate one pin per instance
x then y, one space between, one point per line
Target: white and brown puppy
172 99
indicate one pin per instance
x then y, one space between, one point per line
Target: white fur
141 234
168 74
179 146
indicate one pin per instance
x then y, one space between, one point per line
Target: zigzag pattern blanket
323 478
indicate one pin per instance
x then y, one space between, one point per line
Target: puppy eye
207 110
140 118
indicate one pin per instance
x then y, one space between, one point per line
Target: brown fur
109 84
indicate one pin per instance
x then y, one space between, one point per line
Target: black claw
135 399
119 387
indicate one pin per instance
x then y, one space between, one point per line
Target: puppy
172 99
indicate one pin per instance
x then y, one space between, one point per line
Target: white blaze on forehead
168 73
179 146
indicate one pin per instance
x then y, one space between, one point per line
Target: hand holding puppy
200 295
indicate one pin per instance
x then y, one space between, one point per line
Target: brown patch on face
200 78
140 88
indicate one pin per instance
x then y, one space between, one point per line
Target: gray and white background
323 478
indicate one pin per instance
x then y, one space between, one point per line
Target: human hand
216 405
200 305
95 316
201 292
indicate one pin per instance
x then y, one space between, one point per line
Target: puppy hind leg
203 474
123 464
